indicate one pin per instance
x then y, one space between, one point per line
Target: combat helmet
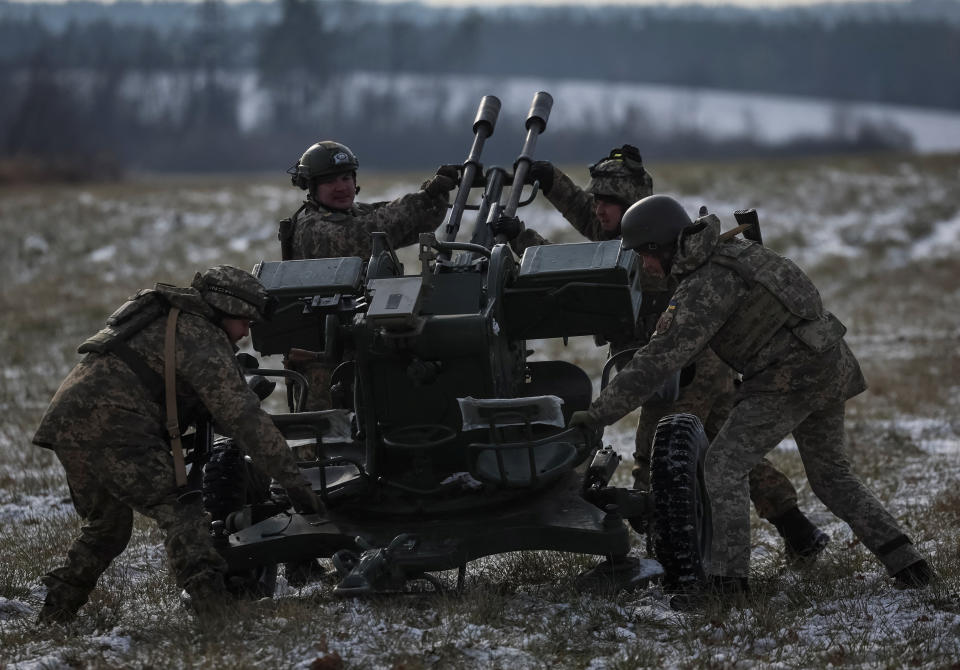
620 176
653 223
235 293
323 159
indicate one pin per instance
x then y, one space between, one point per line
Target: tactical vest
285 234
780 296
145 307
132 316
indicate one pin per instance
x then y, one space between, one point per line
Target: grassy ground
873 234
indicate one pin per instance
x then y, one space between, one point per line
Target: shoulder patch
666 319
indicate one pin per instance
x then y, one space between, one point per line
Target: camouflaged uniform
763 316
709 395
578 207
319 232
107 429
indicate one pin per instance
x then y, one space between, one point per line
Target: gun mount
446 443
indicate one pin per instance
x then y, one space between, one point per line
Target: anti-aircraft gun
446 443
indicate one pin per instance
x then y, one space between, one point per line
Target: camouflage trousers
107 484
755 426
709 397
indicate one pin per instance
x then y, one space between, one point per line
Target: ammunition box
565 290
306 290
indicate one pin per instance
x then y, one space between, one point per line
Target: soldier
762 315
616 182
111 425
329 224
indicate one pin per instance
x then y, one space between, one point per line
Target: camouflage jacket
102 402
319 232
576 206
708 296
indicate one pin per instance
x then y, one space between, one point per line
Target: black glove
304 500
444 181
542 171
507 226
582 418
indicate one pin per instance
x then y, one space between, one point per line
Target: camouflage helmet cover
234 292
653 223
323 159
620 176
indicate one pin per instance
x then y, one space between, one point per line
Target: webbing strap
170 383
733 232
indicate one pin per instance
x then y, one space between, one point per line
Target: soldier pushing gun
163 356
763 316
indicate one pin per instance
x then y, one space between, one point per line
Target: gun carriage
446 442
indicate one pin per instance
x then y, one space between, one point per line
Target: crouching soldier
761 315
115 417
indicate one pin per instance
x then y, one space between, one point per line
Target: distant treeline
67 69
903 53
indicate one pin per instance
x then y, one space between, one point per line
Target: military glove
542 171
304 500
507 226
444 181
582 418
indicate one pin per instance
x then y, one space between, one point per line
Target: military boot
52 613
62 602
802 540
914 576
207 597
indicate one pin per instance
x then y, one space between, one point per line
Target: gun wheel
681 530
229 483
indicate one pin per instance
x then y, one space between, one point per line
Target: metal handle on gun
483 126
749 218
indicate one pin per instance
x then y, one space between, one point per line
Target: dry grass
519 610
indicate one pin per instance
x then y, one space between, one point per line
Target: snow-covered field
879 235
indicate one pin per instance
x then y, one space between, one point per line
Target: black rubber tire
681 526
229 483
224 480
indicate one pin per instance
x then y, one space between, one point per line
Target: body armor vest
780 296
145 307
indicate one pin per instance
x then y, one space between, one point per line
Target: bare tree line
82 90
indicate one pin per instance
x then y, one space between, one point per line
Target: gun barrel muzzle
487 114
540 111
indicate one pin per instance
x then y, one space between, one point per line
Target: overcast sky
466 3
746 3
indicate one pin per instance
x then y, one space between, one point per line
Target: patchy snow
33 507
45 662
10 609
942 242
103 254
717 113
934 436
845 626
